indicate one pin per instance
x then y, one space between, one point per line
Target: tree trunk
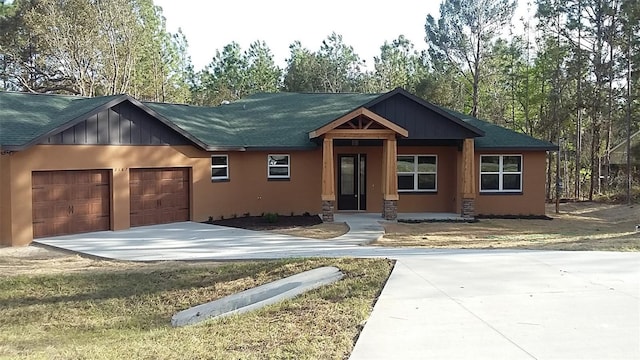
476 79
609 120
629 44
595 142
578 106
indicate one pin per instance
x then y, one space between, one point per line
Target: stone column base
327 210
468 208
390 209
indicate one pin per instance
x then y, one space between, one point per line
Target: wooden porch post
328 180
389 179
468 179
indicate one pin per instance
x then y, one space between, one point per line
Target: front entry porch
360 168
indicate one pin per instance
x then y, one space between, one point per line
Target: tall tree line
91 47
565 73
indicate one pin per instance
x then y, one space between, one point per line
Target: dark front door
352 182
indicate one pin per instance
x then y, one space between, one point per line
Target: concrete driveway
438 304
507 305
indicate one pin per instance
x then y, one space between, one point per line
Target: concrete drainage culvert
259 297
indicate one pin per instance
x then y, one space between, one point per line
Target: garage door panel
135 188
68 202
61 226
82 191
58 192
149 175
149 203
159 196
181 215
83 178
40 229
60 210
81 224
40 180
101 192
103 222
136 219
43 211
87 223
40 193
149 188
57 177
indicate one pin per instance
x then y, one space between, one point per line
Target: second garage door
159 196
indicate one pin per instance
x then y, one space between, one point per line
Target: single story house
70 164
618 153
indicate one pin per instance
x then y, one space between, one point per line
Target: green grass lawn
125 313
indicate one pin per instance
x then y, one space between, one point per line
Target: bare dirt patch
319 231
579 226
308 226
40 260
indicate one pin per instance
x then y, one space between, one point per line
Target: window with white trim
417 173
278 166
500 173
219 167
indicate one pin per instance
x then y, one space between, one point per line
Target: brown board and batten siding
70 202
159 196
123 124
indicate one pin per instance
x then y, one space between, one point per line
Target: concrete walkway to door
437 304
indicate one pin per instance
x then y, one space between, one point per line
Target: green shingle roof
25 117
271 120
500 138
204 123
275 120
285 119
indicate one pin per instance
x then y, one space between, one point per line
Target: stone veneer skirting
468 208
390 209
327 210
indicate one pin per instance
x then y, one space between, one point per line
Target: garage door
70 202
159 196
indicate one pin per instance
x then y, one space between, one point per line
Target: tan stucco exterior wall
444 200
5 199
532 199
247 191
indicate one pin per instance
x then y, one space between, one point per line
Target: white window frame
415 173
226 166
287 166
501 174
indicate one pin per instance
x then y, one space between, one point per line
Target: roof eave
225 148
11 148
518 148
312 146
